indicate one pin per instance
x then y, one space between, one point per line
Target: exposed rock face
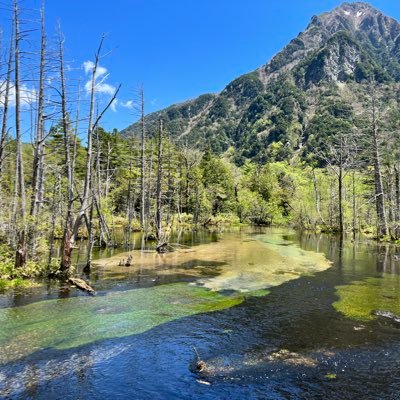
273 105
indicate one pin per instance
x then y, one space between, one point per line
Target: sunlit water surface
274 314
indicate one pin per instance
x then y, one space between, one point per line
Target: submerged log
200 365
81 284
162 248
128 262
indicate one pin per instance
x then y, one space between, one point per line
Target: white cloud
127 104
101 88
100 77
27 95
88 66
100 71
113 105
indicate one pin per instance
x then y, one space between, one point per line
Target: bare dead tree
340 157
6 102
65 247
54 208
379 189
19 192
90 236
148 190
161 245
317 197
129 202
86 198
38 157
142 163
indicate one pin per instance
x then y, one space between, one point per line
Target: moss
8 284
71 322
259 293
11 277
3 284
238 262
359 299
330 376
246 266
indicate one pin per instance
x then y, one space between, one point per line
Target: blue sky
179 49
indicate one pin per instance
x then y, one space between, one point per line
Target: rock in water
81 284
387 314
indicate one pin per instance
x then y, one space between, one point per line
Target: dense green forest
329 164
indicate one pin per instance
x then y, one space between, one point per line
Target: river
273 314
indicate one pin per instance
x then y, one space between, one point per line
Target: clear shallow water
305 337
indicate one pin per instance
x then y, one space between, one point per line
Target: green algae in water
361 298
235 263
258 293
330 376
264 263
245 269
71 322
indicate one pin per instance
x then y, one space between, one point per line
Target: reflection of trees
384 263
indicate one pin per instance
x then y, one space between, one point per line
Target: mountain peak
346 45
356 6
355 11
347 16
351 17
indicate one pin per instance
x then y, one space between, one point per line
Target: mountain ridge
273 105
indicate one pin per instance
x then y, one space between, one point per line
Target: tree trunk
379 191
158 215
57 184
148 194
340 188
169 187
390 198
66 247
129 212
38 162
187 185
19 201
91 237
397 206
87 188
142 165
3 134
107 186
354 222
317 199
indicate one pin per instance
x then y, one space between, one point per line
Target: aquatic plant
361 299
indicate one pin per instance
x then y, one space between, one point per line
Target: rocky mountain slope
274 111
